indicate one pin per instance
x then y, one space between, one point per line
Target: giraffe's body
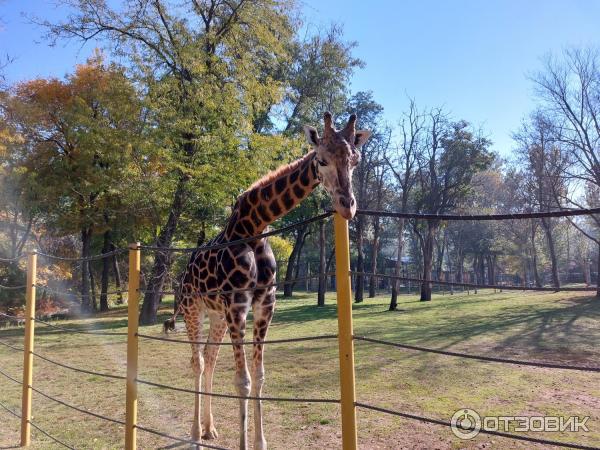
248 269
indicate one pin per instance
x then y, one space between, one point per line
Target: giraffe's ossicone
252 266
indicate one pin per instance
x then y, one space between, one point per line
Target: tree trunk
460 268
374 281
359 285
598 274
482 269
294 258
585 270
322 264
475 271
105 268
441 249
551 248
428 261
297 269
117 272
536 275
86 241
397 268
92 285
162 259
491 266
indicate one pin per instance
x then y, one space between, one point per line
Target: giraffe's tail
169 324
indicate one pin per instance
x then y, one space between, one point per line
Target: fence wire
270 341
3 373
45 433
248 289
477 286
178 439
482 430
75 294
479 217
70 330
478 357
239 397
76 408
239 241
15 259
17 349
12 288
77 369
81 259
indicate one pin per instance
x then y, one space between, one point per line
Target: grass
557 327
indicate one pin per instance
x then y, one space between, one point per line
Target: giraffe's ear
312 136
360 137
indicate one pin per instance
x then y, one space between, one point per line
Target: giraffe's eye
321 162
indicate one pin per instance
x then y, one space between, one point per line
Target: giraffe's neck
272 197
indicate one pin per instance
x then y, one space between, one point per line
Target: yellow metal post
27 349
133 300
346 344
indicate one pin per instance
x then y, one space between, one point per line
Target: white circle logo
465 423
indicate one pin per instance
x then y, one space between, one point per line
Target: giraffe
251 266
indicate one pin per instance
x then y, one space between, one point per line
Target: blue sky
470 56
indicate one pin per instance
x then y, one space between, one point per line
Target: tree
369 114
317 82
544 165
569 89
453 155
403 163
77 138
318 78
207 68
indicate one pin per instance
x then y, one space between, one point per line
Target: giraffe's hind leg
218 326
194 316
263 307
236 321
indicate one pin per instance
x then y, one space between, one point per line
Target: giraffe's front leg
218 326
238 310
262 312
194 316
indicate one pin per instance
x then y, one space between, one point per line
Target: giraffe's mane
280 171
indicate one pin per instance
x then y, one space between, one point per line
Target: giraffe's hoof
210 433
196 432
260 444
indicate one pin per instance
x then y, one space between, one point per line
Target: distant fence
345 336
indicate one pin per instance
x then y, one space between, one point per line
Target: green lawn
561 327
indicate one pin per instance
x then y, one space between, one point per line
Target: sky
473 57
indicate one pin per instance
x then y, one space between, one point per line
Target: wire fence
480 217
518 362
34 425
100 256
366 339
507 287
481 430
15 259
245 342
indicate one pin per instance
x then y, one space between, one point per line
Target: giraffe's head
336 156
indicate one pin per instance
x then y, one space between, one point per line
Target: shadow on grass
555 331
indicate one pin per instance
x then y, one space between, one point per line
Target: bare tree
452 155
403 164
544 167
569 87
